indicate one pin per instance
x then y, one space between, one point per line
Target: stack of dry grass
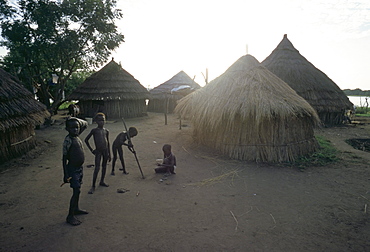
309 82
111 90
19 114
248 113
161 98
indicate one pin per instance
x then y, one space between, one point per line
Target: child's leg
73 204
104 168
76 185
96 171
120 152
160 169
77 210
114 159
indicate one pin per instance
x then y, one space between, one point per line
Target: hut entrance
360 144
97 106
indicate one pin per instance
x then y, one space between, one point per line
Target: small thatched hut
248 113
161 97
111 90
19 114
309 82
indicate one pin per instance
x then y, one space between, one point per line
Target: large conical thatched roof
176 81
249 113
111 82
308 81
17 104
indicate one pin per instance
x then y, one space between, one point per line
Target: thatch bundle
111 90
19 114
309 82
248 113
161 97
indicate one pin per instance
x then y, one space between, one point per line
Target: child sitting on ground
169 161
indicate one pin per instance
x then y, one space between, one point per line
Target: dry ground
211 204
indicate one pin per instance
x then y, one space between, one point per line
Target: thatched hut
111 90
161 97
309 82
248 113
19 114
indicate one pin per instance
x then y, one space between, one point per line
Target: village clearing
211 204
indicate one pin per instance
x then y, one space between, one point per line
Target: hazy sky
164 37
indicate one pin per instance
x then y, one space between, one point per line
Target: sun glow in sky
163 37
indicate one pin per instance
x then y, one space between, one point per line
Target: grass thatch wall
248 113
114 108
162 104
16 141
19 114
317 88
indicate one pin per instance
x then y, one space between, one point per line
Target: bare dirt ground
211 204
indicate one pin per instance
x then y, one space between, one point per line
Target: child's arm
83 125
169 162
66 145
65 171
87 141
129 145
108 146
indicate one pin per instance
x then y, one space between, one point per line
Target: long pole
133 151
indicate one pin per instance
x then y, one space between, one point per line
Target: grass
363 111
325 155
363 115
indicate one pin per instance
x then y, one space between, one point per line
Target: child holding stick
117 147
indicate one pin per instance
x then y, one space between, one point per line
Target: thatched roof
176 81
17 104
249 113
308 81
111 82
248 89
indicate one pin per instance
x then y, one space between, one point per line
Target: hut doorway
98 106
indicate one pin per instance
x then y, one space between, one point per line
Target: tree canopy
46 38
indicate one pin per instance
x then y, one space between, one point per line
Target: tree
57 37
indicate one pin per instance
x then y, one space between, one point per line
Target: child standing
72 161
117 147
102 149
169 161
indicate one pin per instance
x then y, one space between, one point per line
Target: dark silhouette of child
117 147
169 161
73 159
101 151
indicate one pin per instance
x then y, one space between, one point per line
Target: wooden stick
68 179
273 219
237 223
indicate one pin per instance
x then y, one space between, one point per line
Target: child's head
73 126
166 148
99 118
132 131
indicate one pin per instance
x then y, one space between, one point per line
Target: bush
65 105
325 155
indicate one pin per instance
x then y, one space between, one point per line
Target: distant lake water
359 100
